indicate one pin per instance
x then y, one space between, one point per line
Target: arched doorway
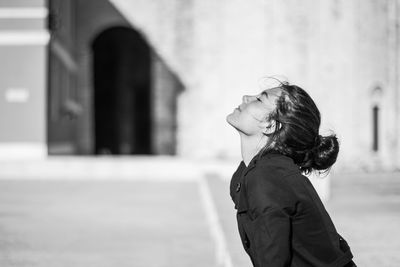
122 90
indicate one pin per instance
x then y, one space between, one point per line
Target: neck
250 146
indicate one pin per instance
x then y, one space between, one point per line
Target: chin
232 123
229 119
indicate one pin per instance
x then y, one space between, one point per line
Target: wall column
23 52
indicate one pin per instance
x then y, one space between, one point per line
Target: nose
245 98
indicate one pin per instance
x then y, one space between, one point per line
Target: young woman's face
251 115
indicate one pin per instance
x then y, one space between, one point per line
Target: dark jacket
281 219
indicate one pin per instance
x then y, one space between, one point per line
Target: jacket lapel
243 205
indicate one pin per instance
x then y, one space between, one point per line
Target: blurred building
134 77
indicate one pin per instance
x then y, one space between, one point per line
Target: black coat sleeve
270 206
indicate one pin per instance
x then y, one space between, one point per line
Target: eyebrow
264 93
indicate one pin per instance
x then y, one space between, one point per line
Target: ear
268 127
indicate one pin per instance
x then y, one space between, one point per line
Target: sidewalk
81 223
366 210
140 212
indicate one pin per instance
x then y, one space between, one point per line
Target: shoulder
272 169
266 182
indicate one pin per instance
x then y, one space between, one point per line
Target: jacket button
238 185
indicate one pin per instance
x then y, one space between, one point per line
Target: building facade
159 77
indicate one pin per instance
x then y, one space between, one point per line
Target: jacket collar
243 205
257 158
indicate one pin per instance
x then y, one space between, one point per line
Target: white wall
23 66
336 49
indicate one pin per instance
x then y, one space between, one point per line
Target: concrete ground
102 223
366 209
156 222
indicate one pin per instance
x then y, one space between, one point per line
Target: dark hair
296 134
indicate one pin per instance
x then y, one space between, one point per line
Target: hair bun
317 140
325 152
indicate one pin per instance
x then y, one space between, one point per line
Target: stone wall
337 50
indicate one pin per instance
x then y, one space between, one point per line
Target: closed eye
258 99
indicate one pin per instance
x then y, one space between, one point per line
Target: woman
281 219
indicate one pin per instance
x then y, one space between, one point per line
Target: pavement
87 221
366 209
51 223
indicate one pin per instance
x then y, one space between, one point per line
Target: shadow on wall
134 97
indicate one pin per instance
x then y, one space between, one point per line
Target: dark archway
122 90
